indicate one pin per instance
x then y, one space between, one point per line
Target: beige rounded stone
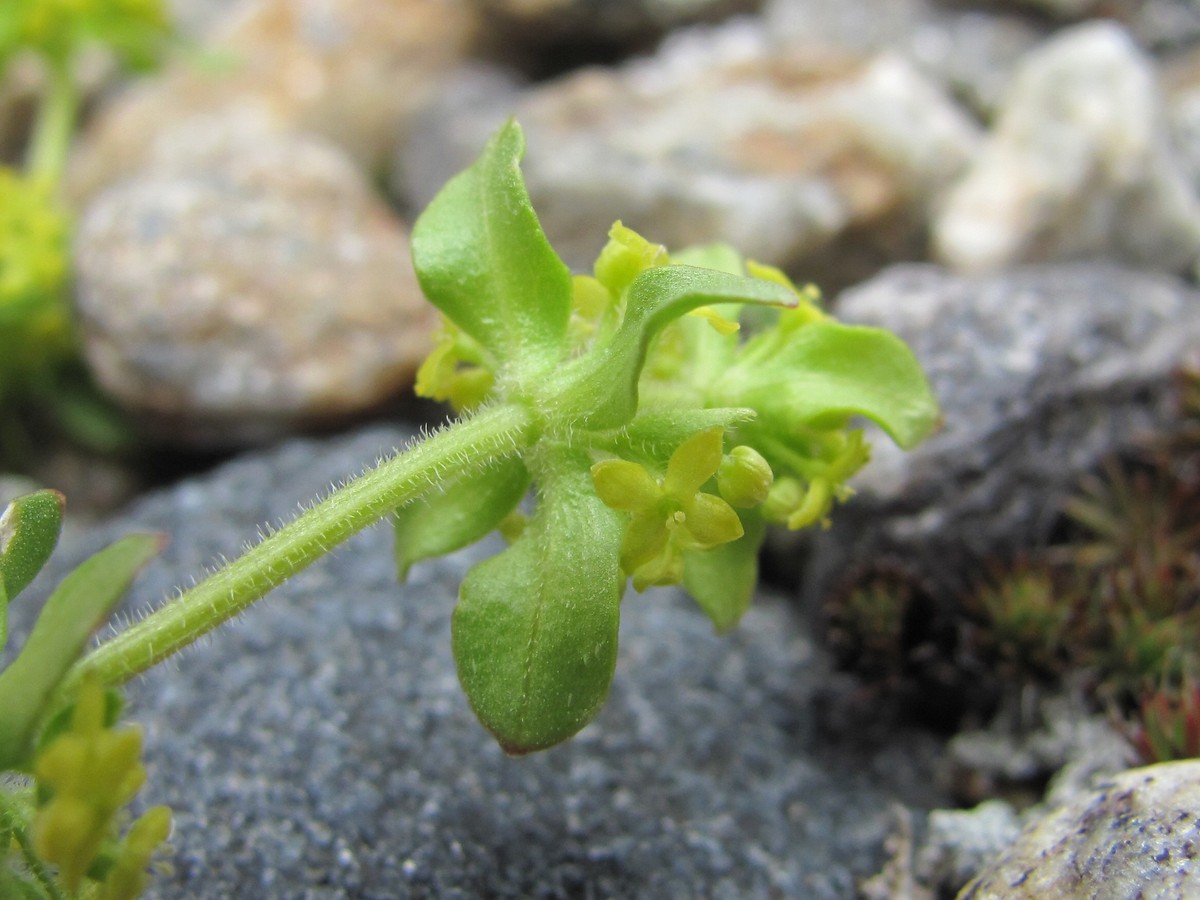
1136 836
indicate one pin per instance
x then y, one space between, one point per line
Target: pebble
246 285
348 70
1135 835
823 164
1079 164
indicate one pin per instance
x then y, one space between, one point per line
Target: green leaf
79 605
482 259
465 511
601 389
29 529
535 630
722 580
827 372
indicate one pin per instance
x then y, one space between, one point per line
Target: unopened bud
744 478
785 497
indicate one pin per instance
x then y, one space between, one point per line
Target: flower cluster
88 773
136 30
34 323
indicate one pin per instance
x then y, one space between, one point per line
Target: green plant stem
47 153
467 446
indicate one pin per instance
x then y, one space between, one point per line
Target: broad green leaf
79 605
483 260
601 389
465 511
535 630
29 529
827 372
722 580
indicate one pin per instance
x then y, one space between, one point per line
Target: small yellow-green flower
127 877
455 371
90 771
626 255
806 312
669 514
800 504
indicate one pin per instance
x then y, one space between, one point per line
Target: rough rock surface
1135 836
1041 372
958 842
321 747
1079 164
971 54
351 71
821 163
247 284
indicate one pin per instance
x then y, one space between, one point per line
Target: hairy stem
47 152
463 447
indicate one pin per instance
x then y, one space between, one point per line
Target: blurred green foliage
44 391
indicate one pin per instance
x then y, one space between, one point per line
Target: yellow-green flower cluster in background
44 392
88 774
35 330
135 30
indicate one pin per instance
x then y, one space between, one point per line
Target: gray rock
321 747
971 52
1079 164
826 164
1041 372
1135 836
196 18
1162 26
246 285
958 842
631 24
1057 740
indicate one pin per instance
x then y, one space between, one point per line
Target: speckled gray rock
321 746
823 163
1079 164
245 285
1137 835
348 70
1041 372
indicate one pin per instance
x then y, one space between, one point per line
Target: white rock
1079 164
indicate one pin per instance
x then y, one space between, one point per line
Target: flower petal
693 463
645 538
624 485
711 521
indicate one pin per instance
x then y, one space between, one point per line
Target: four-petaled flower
669 514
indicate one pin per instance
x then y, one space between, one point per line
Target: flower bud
785 496
744 478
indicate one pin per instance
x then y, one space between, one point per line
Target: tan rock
823 163
1137 835
246 286
350 70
